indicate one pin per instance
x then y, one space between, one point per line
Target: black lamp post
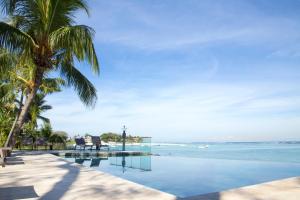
124 137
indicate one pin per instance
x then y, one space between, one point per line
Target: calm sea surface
192 169
275 151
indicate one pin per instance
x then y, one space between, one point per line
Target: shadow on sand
14 160
61 187
21 192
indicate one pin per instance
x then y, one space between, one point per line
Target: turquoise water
281 152
192 169
268 151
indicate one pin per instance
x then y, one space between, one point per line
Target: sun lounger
97 142
80 142
92 141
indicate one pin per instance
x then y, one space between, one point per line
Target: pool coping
84 153
282 189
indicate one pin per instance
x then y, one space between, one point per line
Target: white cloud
184 112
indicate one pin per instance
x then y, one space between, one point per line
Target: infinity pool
185 176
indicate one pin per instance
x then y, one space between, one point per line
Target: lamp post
124 137
123 147
123 163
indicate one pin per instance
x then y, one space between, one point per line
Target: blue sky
223 70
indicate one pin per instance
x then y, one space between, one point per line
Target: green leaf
77 41
14 39
84 88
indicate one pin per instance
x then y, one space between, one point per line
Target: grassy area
70 142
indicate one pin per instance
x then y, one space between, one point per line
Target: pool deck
45 176
286 189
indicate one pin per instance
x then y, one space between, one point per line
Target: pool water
188 176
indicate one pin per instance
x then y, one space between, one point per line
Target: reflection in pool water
133 162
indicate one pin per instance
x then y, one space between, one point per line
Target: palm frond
50 85
84 88
44 119
15 40
45 107
6 92
77 40
8 6
7 61
61 13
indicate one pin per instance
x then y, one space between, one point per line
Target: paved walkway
46 177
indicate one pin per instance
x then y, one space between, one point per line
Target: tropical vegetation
41 45
114 137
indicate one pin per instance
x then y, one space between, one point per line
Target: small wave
168 144
203 146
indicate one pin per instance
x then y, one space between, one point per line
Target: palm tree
37 108
16 81
44 32
46 132
8 93
58 137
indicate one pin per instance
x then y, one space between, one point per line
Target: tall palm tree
44 32
16 81
10 90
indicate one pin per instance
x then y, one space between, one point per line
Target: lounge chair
80 142
97 142
4 152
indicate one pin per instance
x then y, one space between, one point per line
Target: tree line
115 137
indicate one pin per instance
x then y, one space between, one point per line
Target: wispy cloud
287 52
196 110
163 25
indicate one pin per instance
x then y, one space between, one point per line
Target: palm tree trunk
17 117
25 109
